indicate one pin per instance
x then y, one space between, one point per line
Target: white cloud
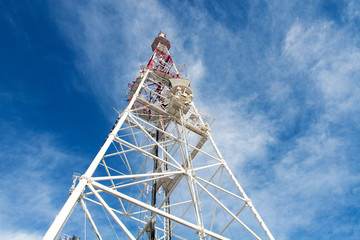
332 58
352 12
307 45
311 180
314 175
31 187
242 136
20 235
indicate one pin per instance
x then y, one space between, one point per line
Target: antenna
159 173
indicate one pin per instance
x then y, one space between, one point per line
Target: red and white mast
159 173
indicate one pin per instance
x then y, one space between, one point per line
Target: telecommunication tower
159 173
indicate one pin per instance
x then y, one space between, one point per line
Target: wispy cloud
31 185
112 40
19 235
314 176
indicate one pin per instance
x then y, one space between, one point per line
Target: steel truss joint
248 201
112 134
88 180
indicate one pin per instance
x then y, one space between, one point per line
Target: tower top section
161 38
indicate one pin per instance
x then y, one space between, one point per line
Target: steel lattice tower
159 174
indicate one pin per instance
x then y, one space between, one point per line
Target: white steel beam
232 219
167 154
157 211
150 154
112 181
117 220
90 219
135 176
220 188
227 210
248 201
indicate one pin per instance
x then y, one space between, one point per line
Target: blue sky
282 78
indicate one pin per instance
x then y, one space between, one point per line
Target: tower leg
90 219
60 220
64 214
248 201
